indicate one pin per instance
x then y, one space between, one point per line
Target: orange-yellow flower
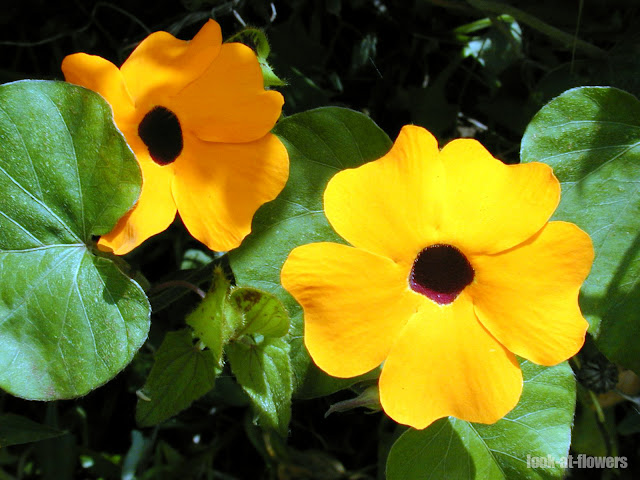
197 117
454 269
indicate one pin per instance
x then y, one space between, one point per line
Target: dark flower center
161 133
440 272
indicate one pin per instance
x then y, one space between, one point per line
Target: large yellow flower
453 269
197 117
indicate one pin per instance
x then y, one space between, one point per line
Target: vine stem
568 40
180 283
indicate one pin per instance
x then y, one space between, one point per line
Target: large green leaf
182 373
320 143
591 138
539 426
69 318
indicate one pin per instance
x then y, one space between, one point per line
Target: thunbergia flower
453 269
197 117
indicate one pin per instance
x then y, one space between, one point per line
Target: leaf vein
40 203
75 162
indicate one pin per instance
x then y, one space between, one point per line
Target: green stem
566 39
597 406
178 283
575 36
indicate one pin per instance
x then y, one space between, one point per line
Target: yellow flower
453 269
197 117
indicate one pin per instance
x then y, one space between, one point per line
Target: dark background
400 62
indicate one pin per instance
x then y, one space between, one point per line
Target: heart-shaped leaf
69 318
591 138
539 426
320 143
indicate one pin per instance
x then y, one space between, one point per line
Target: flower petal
103 77
491 206
391 206
444 363
218 187
162 65
228 103
527 297
355 303
154 210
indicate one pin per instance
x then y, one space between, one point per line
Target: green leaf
264 372
209 320
364 53
182 373
69 318
320 143
15 429
539 426
194 258
261 313
591 138
497 48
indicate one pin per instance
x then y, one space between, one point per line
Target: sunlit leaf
320 143
69 318
261 313
264 372
497 48
209 320
539 426
591 138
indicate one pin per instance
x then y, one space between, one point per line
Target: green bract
69 318
591 138
261 46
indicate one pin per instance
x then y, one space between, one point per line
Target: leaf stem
179 283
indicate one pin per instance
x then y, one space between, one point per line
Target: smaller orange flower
197 117
454 269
